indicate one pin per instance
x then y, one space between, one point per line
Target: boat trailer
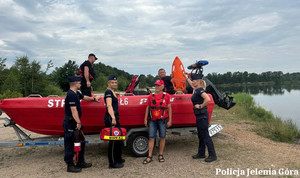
136 138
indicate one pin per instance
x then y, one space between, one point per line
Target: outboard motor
223 100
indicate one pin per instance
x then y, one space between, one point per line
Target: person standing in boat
72 122
159 109
200 100
167 81
111 118
87 74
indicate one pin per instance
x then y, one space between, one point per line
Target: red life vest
158 107
80 74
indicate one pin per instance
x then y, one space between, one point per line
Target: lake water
282 101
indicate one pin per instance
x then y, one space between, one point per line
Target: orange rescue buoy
178 80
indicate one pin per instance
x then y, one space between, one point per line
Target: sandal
148 160
161 158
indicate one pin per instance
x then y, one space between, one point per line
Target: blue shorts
161 125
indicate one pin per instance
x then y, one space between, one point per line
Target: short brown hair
161 69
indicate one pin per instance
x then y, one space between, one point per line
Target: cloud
256 23
142 36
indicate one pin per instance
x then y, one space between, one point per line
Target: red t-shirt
156 113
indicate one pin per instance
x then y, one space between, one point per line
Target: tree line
26 77
276 77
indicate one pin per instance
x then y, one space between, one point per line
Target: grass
267 124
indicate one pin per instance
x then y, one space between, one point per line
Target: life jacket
80 74
157 107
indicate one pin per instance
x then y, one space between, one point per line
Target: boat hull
45 115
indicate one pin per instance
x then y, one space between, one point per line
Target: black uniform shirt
197 98
91 72
73 99
115 104
168 85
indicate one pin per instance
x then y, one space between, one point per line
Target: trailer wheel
138 144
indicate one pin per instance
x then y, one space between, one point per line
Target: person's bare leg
162 143
150 145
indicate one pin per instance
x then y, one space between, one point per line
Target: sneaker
84 165
73 168
198 156
211 159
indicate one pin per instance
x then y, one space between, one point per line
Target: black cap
93 55
74 79
196 76
112 77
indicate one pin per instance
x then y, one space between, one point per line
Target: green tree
122 83
142 83
10 94
49 65
253 77
52 89
12 82
100 83
61 74
245 77
3 72
37 78
150 80
2 64
23 67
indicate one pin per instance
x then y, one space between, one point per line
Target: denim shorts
161 125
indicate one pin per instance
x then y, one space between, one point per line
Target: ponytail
203 84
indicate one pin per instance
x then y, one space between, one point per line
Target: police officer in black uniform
87 74
111 118
167 81
200 100
72 122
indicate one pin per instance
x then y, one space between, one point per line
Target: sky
141 36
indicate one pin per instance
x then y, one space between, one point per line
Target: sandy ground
237 147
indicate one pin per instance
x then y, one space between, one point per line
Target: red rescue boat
45 115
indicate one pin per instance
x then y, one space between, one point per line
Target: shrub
10 94
52 90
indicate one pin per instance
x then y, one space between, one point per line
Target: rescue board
178 80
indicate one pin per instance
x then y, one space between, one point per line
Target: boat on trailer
44 115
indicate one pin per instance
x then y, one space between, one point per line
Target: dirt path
237 148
